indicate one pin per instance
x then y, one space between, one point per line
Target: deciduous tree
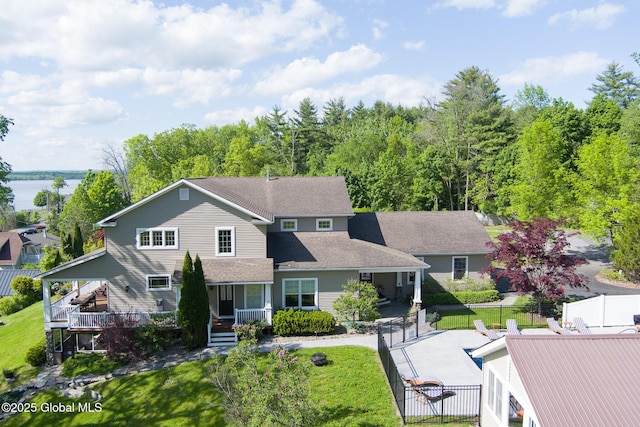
533 258
358 301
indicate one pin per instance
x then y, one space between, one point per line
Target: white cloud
554 69
378 28
393 88
515 8
308 71
94 34
602 16
466 4
223 117
417 45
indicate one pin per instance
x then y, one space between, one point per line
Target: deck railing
85 320
60 312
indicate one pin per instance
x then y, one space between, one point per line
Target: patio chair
484 331
512 327
431 394
553 325
581 327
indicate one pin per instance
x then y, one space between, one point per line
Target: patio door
225 301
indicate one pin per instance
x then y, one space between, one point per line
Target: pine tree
626 252
200 303
193 308
78 242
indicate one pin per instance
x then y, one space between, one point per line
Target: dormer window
324 224
288 225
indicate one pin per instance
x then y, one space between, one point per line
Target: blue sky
79 75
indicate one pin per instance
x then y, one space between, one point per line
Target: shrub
300 322
37 355
89 363
150 339
249 331
468 284
466 297
13 304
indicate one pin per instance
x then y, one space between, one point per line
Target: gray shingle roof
588 380
283 196
333 250
232 270
423 233
6 276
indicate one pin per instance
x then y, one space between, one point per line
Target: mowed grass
351 390
463 318
20 332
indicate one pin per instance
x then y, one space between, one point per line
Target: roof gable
11 244
418 233
265 199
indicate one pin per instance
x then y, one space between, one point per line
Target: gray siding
441 265
195 220
329 285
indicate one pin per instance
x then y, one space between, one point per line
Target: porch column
399 293
268 308
46 298
417 290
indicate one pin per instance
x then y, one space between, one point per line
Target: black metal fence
403 329
493 316
430 405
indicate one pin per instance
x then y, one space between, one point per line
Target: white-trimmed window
158 282
324 224
300 293
459 267
289 224
494 394
253 296
225 241
184 194
157 238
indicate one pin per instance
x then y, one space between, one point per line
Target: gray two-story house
265 244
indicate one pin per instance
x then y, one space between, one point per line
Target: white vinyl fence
604 310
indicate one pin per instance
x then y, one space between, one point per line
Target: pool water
476 360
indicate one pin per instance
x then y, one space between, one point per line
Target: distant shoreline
46 175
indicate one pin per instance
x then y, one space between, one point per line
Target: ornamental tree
533 259
359 301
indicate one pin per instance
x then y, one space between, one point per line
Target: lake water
25 191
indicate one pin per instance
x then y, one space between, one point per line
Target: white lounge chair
580 326
480 327
512 327
553 325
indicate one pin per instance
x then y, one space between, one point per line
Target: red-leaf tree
532 258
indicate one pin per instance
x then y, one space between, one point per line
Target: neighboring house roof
265 198
423 233
579 380
11 247
334 251
6 276
74 262
232 270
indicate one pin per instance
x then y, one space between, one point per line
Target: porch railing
84 289
243 316
60 312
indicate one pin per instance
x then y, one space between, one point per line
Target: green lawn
350 391
463 318
20 332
